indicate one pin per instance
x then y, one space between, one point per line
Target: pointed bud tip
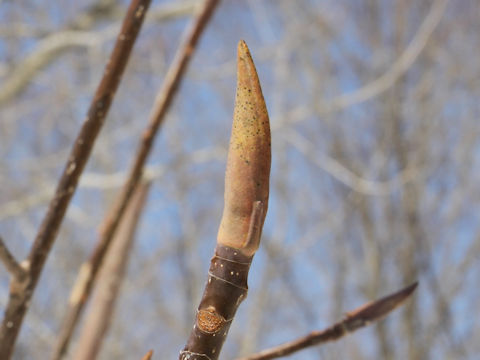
411 288
247 76
249 155
242 49
148 355
375 310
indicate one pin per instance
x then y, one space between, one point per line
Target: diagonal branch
18 303
13 267
86 279
110 278
354 320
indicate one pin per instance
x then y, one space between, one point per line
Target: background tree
373 108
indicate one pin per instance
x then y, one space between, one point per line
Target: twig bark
87 275
109 280
354 320
18 301
246 201
12 265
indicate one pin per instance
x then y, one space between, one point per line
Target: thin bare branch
17 305
354 320
86 279
109 280
12 265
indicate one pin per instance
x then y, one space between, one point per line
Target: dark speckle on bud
249 155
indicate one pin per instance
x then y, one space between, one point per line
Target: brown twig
148 355
86 278
12 265
354 320
109 280
18 302
246 201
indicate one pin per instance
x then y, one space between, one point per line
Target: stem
13 267
354 320
97 321
86 278
17 305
